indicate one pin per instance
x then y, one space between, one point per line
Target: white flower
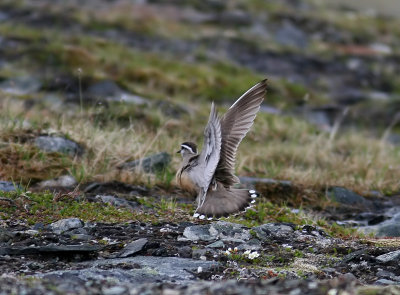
229 251
253 255
247 252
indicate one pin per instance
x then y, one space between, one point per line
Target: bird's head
188 149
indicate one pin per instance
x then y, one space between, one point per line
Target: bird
210 173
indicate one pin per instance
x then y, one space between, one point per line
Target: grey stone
396 218
133 248
173 110
3 16
217 244
116 290
389 230
59 145
81 237
381 48
235 18
110 91
270 230
185 252
385 282
385 274
64 225
115 201
389 257
347 95
5 235
291 35
231 232
21 85
253 244
151 164
62 181
345 196
198 253
257 180
49 249
103 89
136 270
270 110
198 232
7 186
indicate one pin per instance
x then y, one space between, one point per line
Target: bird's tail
222 201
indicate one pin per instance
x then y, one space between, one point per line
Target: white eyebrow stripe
187 147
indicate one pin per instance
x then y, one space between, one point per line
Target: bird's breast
186 183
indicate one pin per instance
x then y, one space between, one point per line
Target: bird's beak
178 152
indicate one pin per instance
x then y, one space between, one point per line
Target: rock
81 237
385 274
3 16
21 85
349 96
103 89
269 110
151 164
225 231
7 186
344 196
50 249
270 230
234 18
185 252
217 244
62 181
136 270
230 232
171 109
257 180
253 244
199 253
291 35
381 48
354 256
198 232
116 290
115 187
110 91
5 235
117 202
59 145
385 282
378 95
64 225
389 257
388 230
133 248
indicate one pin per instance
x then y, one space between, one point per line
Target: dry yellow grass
278 147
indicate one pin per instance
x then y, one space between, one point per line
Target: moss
46 208
26 164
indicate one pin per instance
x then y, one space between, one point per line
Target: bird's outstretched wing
210 155
234 126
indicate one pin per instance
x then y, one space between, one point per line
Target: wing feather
210 154
234 126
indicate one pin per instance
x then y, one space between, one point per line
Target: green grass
46 208
266 212
278 146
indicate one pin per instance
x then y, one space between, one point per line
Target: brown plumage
211 173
